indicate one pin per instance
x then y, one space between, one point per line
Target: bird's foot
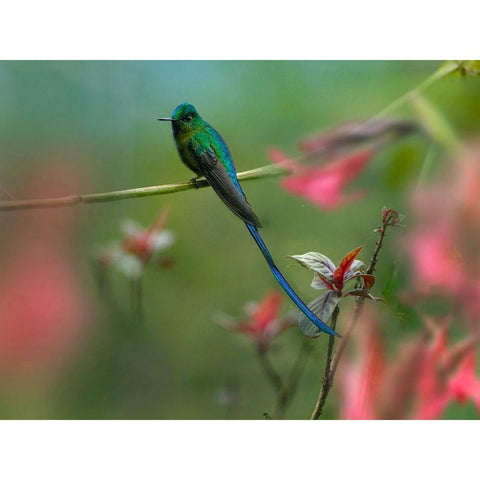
194 181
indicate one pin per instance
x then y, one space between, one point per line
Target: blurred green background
101 117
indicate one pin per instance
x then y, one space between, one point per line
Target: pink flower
361 380
138 247
324 185
435 261
441 381
443 245
264 323
420 381
465 384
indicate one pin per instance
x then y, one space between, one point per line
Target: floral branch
263 325
327 378
390 218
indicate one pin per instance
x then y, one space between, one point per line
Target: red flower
264 323
138 247
324 185
465 384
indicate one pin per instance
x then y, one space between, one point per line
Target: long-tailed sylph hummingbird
203 150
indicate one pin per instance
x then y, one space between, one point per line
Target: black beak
165 119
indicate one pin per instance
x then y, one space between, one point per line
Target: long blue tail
284 284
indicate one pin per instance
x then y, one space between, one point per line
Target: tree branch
327 380
72 200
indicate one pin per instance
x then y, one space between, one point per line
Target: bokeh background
72 350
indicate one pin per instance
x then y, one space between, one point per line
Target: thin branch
289 386
327 378
270 372
331 364
443 71
72 200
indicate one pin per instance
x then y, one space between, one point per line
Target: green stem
270 372
289 387
443 71
72 200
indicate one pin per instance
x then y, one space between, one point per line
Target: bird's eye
188 118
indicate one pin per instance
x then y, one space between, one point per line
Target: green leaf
316 262
323 308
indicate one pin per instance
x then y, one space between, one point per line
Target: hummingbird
203 150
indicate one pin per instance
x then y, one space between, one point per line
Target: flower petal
161 240
128 264
267 310
130 228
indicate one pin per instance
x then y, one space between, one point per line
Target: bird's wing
218 178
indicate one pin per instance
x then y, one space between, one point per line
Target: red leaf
345 264
369 280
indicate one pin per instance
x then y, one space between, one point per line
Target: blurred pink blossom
43 306
465 384
139 247
420 381
360 381
264 323
443 244
324 185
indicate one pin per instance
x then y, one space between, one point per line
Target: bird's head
185 118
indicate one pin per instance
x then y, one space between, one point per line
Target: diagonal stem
270 372
289 387
333 361
327 380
